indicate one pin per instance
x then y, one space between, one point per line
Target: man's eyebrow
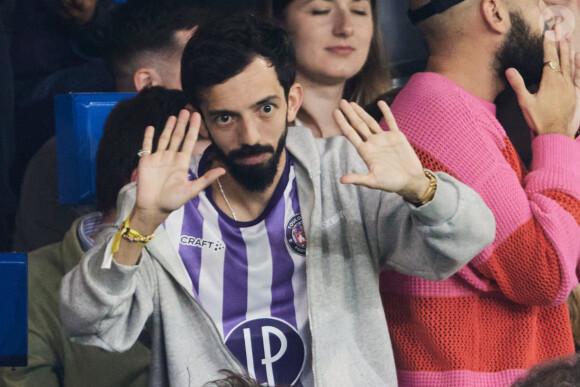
268 99
332 1
221 112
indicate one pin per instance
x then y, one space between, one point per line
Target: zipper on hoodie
314 377
314 374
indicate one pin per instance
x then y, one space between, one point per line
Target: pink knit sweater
505 311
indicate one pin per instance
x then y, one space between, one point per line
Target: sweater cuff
443 206
555 150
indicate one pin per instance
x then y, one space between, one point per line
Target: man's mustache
250 150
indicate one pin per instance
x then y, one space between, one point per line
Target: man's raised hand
163 183
552 109
392 162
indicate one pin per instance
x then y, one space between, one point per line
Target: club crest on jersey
295 235
271 349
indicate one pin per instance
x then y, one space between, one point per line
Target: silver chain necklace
226 199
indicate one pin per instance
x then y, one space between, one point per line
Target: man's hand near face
552 110
163 183
393 164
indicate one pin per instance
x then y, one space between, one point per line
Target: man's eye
223 118
316 12
267 109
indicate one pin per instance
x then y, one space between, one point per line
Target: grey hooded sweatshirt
353 233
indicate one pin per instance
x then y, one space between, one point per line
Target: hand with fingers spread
163 183
392 162
552 109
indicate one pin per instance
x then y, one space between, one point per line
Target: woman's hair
373 79
574 308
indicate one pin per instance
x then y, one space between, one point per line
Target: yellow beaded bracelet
130 235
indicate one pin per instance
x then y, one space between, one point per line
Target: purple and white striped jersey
251 279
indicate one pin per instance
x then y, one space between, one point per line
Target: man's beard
258 177
522 51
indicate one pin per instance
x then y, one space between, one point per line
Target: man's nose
249 133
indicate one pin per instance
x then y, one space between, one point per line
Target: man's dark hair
221 50
140 26
123 137
233 379
558 373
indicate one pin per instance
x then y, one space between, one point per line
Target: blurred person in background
574 309
55 49
505 311
339 53
53 360
558 373
143 46
7 197
565 13
146 39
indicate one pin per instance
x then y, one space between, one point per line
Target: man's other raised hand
392 163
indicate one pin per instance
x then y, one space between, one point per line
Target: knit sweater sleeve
534 257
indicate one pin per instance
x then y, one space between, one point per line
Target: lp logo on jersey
295 235
271 349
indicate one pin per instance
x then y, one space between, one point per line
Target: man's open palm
163 183
392 162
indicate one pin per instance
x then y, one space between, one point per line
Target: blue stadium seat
13 310
79 126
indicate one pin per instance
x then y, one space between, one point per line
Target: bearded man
504 312
267 249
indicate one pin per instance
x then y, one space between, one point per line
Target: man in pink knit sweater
505 311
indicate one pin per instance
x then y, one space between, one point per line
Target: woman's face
331 37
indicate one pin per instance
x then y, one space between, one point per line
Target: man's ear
146 77
495 14
294 101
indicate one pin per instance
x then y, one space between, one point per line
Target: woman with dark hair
339 52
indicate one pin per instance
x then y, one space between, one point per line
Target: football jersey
250 277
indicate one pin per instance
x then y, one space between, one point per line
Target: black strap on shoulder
430 9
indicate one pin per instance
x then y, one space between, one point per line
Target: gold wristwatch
429 192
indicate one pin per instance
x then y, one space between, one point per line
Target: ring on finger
553 65
143 152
